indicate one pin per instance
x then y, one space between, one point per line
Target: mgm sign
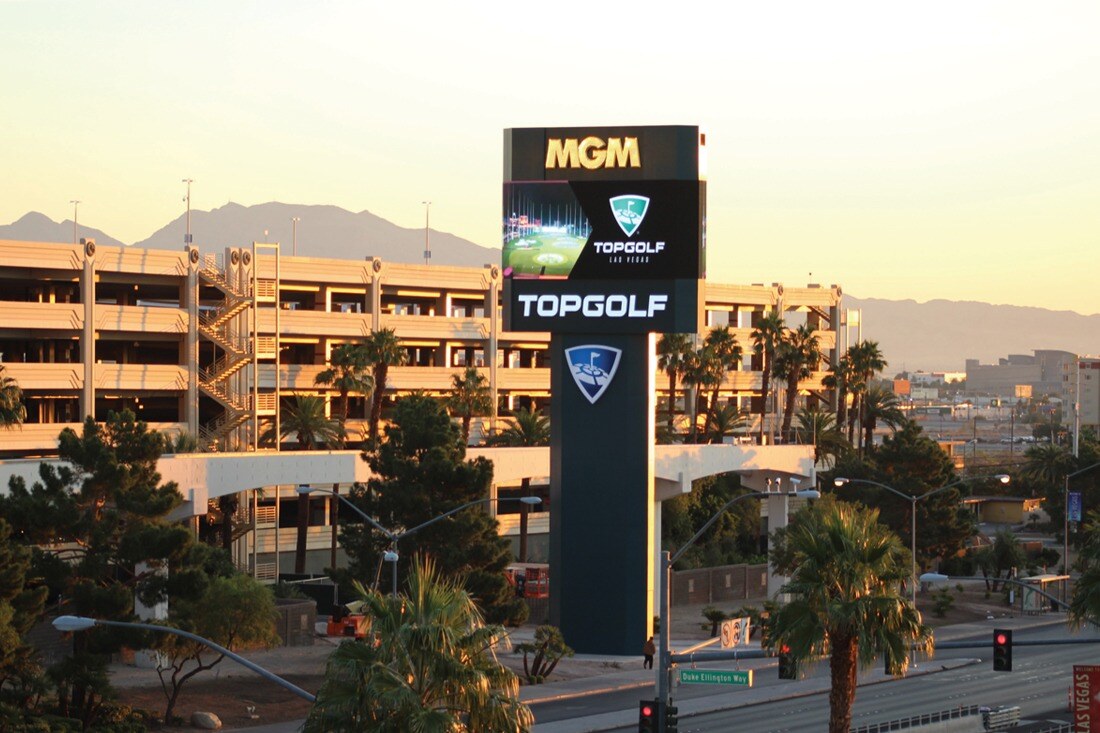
603 245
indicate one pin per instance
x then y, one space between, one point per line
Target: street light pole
187 198
1004 478
294 234
1065 527
75 205
391 555
664 671
82 623
427 246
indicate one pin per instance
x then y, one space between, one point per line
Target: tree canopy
845 572
432 667
421 472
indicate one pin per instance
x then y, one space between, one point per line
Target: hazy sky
931 150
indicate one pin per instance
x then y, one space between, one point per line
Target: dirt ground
230 695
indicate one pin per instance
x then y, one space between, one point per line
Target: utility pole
294 239
187 198
75 205
427 246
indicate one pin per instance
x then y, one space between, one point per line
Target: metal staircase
216 380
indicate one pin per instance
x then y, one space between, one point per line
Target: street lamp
427 246
75 204
82 623
1004 478
187 198
294 234
665 667
1065 529
391 555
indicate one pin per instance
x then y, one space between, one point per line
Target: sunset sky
933 150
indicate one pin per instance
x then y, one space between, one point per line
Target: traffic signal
1002 650
648 716
788 670
672 719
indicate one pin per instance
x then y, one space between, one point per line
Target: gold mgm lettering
593 153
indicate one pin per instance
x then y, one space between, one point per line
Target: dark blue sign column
601 498
603 237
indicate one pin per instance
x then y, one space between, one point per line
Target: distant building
1083 387
1043 372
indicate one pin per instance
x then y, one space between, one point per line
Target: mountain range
938 335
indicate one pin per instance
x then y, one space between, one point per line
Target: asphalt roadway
579 705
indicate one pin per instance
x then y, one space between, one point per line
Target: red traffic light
1002 639
647 710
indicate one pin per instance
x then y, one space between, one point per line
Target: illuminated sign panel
592 153
618 213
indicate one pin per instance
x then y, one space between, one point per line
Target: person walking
648 650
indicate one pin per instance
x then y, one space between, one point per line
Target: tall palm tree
765 338
867 361
431 667
819 428
531 428
12 410
880 405
697 370
845 573
723 355
796 359
306 418
383 351
347 373
840 378
672 349
469 398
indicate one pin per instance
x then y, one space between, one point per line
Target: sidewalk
624 673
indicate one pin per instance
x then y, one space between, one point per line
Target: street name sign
715 677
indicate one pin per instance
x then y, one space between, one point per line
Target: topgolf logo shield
629 211
593 367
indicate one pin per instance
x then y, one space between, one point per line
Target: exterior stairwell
215 380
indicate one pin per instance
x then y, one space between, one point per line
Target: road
1038 684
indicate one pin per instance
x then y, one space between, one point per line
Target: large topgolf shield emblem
629 211
593 367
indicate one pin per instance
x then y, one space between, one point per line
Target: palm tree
383 351
845 573
12 410
819 429
723 355
695 374
880 405
1047 464
840 378
765 337
867 361
431 667
469 398
347 373
725 422
531 428
1084 608
306 418
796 359
672 350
